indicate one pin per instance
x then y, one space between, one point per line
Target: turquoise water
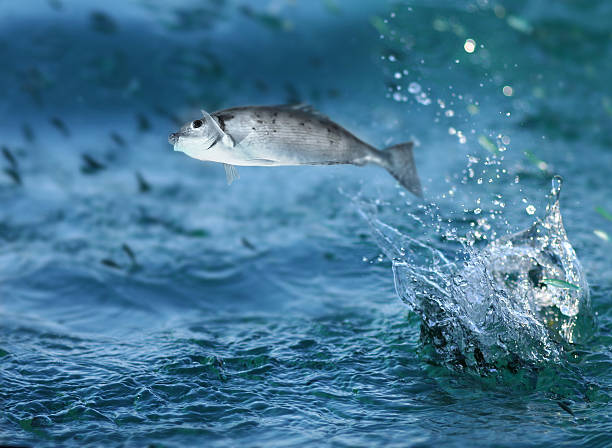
143 302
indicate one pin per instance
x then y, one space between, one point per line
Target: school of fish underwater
144 302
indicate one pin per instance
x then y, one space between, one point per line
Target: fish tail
399 161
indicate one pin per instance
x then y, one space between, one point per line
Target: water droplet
422 98
557 183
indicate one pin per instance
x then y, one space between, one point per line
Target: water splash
541 265
492 308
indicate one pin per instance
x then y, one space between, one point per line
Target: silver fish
286 135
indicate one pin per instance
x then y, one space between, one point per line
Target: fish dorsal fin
231 173
225 138
303 107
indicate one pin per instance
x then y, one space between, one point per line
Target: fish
91 165
286 135
28 133
143 185
13 174
560 283
143 122
130 253
120 141
246 243
8 155
566 408
60 126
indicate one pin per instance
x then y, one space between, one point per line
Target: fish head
197 138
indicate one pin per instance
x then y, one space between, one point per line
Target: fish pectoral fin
231 173
221 135
227 140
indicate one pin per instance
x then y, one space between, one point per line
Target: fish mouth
173 138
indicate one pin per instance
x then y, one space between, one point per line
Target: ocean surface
144 302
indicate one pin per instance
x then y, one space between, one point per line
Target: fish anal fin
231 173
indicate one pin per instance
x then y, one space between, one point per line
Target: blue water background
262 314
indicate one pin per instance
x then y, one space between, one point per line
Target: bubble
422 98
414 88
392 58
508 91
530 209
469 46
397 75
449 113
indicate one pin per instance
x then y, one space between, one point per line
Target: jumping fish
286 135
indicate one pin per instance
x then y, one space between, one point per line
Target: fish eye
196 124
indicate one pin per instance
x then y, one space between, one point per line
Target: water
509 306
145 302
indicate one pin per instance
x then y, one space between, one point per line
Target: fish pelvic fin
231 173
399 161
